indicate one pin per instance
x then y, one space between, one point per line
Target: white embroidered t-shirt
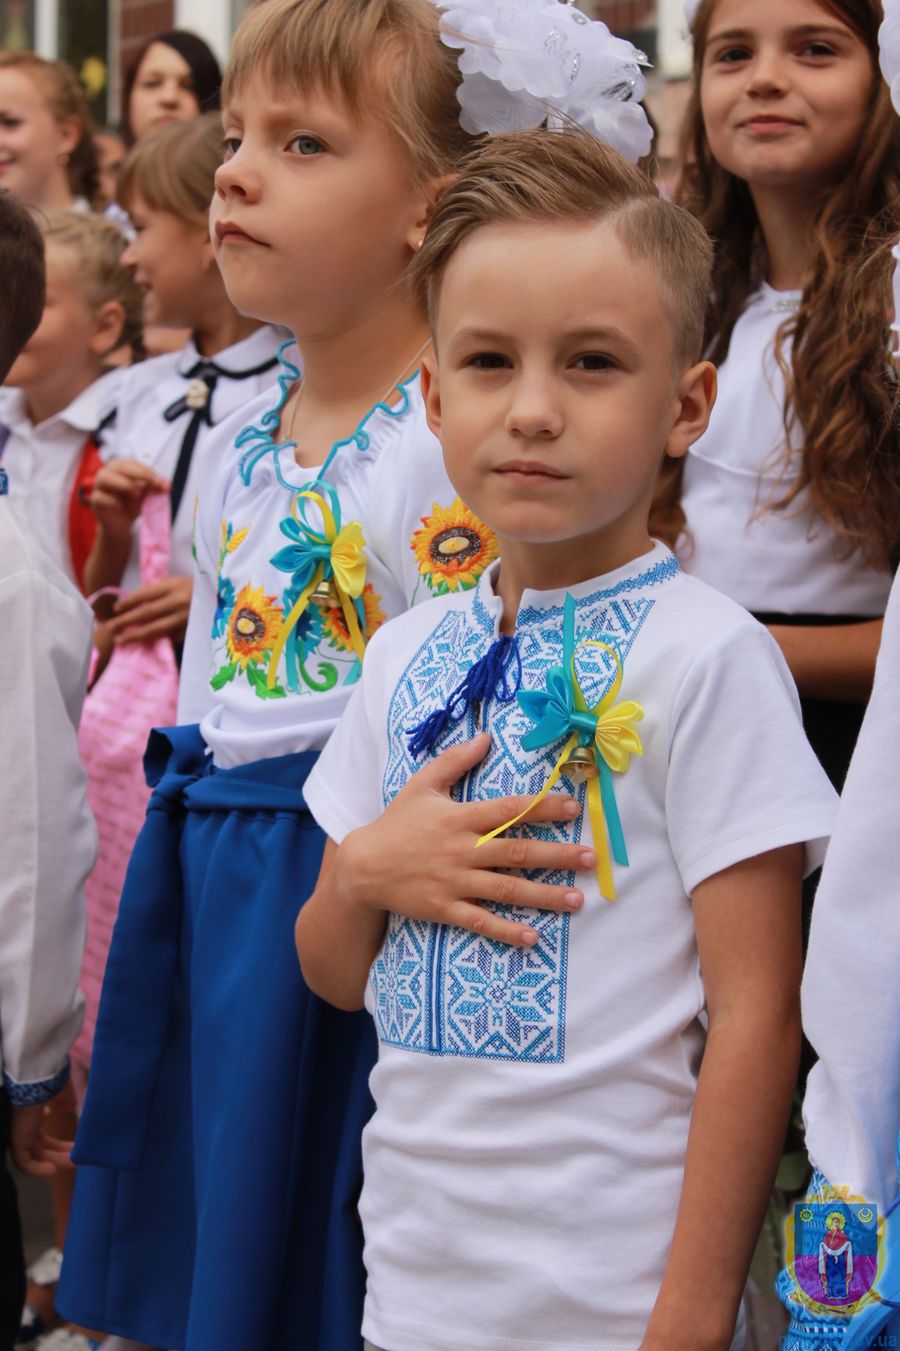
153 414
419 540
784 562
524 1164
851 985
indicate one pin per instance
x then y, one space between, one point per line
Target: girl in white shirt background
167 408
792 498
47 152
57 390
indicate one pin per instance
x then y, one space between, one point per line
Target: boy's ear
695 397
425 209
431 392
108 324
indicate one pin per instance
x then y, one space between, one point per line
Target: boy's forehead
544 272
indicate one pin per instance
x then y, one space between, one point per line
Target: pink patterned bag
137 691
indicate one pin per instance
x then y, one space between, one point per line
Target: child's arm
116 500
419 859
831 661
749 940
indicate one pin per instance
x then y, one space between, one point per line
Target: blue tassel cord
488 679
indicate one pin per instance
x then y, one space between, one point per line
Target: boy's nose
534 414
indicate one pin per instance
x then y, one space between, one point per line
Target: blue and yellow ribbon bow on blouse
606 737
334 553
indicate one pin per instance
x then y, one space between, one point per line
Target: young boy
48 831
550 1164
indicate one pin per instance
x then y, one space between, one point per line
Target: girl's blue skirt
219 1150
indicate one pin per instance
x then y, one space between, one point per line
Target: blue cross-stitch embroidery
446 991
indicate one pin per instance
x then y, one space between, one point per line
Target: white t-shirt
42 460
851 986
142 431
419 537
50 838
786 562
524 1164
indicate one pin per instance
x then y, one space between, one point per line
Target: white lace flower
690 10
889 42
529 61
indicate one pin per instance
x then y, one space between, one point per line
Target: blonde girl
58 390
47 153
234 1169
792 498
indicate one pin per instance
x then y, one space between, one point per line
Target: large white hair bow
524 62
690 10
889 42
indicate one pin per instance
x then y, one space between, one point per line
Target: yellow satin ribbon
348 566
616 741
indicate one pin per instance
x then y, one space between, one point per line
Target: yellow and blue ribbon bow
560 712
333 553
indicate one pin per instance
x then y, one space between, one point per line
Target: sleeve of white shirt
851 986
344 789
48 828
194 695
743 778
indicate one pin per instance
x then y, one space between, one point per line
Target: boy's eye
306 145
488 361
594 361
230 146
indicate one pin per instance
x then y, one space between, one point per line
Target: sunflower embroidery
453 548
253 626
336 624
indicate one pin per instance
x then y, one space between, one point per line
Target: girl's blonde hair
840 385
96 247
385 59
65 98
174 168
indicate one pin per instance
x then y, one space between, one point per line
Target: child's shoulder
398 641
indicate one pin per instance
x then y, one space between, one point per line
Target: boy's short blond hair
384 58
569 176
174 169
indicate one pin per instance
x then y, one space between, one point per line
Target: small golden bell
581 764
325 595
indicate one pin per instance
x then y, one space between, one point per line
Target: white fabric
532 1109
42 460
388 486
851 986
49 834
778 561
140 431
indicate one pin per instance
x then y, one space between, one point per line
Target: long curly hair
834 350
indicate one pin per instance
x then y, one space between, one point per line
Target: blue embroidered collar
650 570
259 441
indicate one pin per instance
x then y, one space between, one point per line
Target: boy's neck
558 567
43 403
786 219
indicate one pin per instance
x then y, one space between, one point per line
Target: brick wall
625 16
138 21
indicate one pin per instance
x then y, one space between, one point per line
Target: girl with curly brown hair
791 501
